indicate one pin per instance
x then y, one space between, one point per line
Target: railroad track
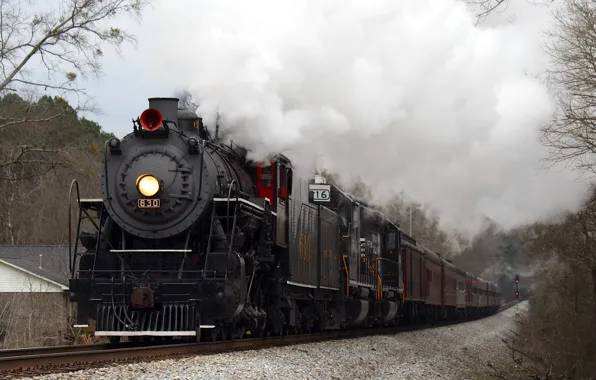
43 360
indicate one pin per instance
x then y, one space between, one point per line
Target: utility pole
410 219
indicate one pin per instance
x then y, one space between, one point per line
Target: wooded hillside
39 157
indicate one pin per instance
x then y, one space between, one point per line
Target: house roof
50 262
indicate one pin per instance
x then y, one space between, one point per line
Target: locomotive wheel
259 330
220 333
114 339
214 333
287 331
226 333
238 332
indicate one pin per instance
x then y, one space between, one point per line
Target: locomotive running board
246 202
151 333
145 333
241 200
149 250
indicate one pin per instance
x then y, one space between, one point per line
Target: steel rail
34 351
44 360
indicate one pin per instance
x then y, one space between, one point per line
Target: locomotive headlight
147 185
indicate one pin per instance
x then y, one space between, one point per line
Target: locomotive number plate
320 193
149 203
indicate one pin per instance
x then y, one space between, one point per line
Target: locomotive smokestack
167 106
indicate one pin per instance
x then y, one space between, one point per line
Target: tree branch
69 37
43 160
571 134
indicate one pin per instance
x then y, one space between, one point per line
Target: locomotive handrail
201 168
376 273
344 257
233 185
380 282
99 237
225 149
105 168
385 259
74 184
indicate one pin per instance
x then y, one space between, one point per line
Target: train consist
192 239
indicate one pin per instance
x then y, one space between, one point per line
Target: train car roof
364 205
449 264
431 255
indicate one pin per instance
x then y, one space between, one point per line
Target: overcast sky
409 95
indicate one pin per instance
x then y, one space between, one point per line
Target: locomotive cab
273 180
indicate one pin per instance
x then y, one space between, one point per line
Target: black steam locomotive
190 236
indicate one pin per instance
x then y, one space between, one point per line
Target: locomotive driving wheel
214 334
238 332
259 330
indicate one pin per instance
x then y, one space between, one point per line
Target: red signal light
516 280
151 119
517 294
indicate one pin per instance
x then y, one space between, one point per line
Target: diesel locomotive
192 239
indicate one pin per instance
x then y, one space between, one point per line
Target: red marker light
151 119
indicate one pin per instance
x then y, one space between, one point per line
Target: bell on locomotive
169 253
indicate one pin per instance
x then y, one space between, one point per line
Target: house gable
47 262
14 279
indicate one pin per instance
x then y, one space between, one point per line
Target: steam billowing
408 95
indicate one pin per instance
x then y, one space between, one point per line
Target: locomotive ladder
229 234
375 273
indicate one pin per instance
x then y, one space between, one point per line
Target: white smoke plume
408 95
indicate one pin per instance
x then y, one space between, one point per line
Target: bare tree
571 240
571 134
557 334
66 43
485 7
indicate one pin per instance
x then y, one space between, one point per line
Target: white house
34 307
33 268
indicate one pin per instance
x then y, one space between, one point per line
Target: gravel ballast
452 352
